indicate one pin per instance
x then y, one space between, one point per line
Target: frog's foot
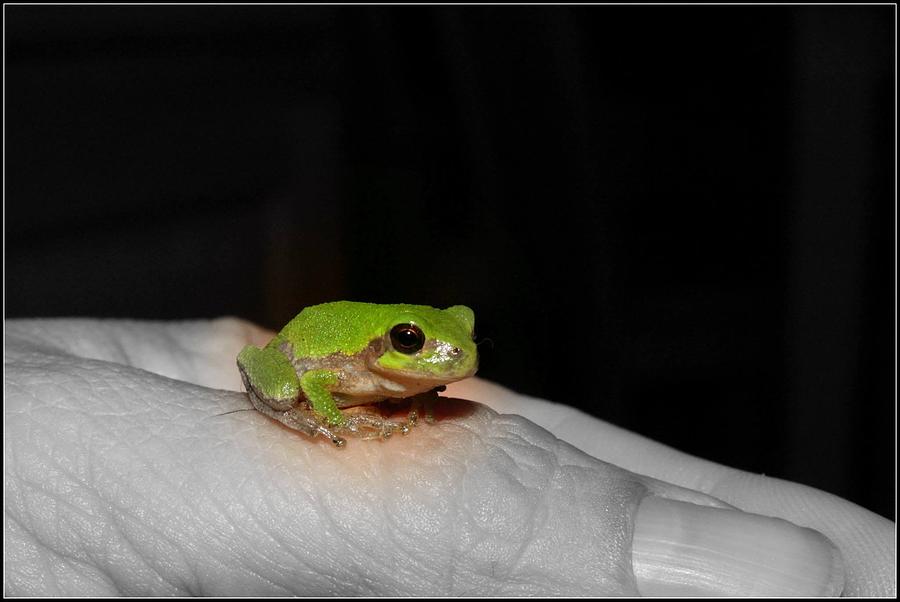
372 426
309 423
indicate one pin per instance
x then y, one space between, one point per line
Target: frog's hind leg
268 377
274 389
296 419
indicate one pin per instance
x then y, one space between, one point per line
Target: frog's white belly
357 383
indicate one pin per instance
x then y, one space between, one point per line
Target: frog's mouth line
420 379
410 376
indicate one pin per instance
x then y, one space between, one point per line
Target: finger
865 539
682 549
197 351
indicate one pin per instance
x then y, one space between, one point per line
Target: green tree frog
344 354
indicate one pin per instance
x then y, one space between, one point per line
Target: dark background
680 219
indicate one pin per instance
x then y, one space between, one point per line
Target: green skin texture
347 328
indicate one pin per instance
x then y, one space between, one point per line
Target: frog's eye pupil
407 338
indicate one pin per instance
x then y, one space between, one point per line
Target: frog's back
339 327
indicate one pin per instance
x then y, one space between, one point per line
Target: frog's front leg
316 386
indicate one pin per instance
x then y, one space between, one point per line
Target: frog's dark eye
407 338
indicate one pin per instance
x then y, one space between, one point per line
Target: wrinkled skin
122 479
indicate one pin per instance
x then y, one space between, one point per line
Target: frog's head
424 347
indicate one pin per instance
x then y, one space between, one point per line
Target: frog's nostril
456 351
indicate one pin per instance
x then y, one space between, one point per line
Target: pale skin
121 480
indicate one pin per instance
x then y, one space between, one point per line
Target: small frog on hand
347 354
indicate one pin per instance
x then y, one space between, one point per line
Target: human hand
121 479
